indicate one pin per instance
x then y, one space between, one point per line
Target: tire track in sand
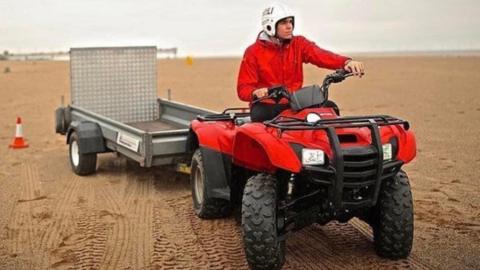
63 221
118 239
412 261
85 247
219 240
333 246
89 241
349 248
28 216
139 204
176 246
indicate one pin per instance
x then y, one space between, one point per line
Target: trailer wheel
82 164
60 123
263 248
204 206
392 218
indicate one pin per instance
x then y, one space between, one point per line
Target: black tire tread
262 249
392 220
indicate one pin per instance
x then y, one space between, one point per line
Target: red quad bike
307 165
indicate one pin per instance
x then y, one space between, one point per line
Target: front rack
292 123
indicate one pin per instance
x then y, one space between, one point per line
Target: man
277 57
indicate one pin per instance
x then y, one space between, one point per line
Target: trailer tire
392 218
82 164
263 248
204 206
60 126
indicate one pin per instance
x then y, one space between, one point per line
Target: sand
126 217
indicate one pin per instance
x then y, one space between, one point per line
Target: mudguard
261 149
214 141
90 137
216 174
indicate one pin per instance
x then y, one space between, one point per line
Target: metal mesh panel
119 83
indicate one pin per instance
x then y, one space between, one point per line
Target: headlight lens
312 117
387 151
313 157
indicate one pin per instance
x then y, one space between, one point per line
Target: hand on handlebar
355 67
276 93
260 93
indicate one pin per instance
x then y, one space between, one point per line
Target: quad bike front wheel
392 218
204 206
263 248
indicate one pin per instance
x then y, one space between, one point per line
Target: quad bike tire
263 248
204 206
82 164
392 218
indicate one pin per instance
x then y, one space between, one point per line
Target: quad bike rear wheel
392 218
204 206
263 248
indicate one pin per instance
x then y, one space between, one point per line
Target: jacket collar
267 40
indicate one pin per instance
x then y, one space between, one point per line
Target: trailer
114 108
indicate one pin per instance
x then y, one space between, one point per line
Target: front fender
259 149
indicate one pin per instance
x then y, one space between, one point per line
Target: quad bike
307 165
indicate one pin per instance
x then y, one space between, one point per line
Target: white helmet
272 15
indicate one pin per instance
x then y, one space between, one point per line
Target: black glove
277 92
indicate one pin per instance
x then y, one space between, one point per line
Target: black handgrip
338 76
277 92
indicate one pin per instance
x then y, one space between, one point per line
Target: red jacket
267 64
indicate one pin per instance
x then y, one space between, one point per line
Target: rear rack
228 114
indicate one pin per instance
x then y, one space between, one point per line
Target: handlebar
338 76
278 92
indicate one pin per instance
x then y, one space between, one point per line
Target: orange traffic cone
18 141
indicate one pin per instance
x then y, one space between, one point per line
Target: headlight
312 117
387 151
313 157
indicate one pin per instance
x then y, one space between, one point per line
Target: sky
226 28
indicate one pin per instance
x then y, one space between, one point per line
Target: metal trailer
114 107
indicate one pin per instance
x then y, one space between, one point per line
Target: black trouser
263 111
